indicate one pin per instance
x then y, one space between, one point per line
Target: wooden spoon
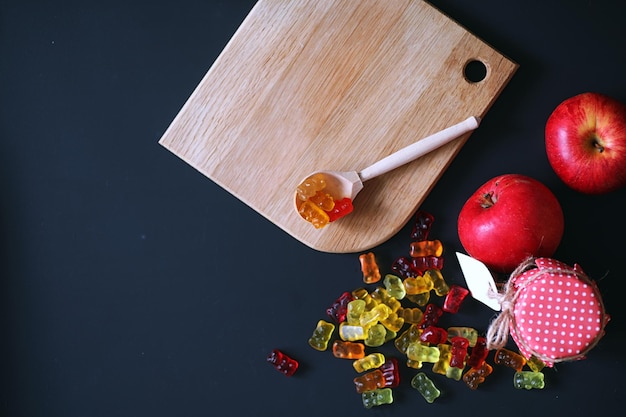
341 184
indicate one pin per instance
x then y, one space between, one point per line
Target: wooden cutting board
305 85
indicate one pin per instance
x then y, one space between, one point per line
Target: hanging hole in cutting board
475 71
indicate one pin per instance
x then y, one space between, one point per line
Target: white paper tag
479 281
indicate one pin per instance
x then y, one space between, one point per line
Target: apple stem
488 200
598 145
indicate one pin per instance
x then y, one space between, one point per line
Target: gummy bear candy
342 208
422 353
476 376
426 248
377 397
323 200
439 284
454 373
411 315
425 386
528 380
434 335
410 335
479 353
338 310
421 264
313 214
442 365
310 186
431 316
371 361
282 362
369 267
391 372
321 335
351 332
422 225
417 285
348 350
376 335
455 297
394 286
369 381
535 364
353 314
509 358
458 351
402 267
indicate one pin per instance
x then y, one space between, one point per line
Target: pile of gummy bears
401 312
316 205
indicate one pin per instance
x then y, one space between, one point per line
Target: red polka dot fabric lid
558 312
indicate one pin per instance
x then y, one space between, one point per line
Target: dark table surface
134 286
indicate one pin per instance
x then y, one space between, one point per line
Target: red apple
586 143
508 219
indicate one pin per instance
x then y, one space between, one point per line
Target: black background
132 285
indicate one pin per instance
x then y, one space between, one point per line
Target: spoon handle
419 148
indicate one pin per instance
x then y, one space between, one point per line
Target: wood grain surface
305 85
